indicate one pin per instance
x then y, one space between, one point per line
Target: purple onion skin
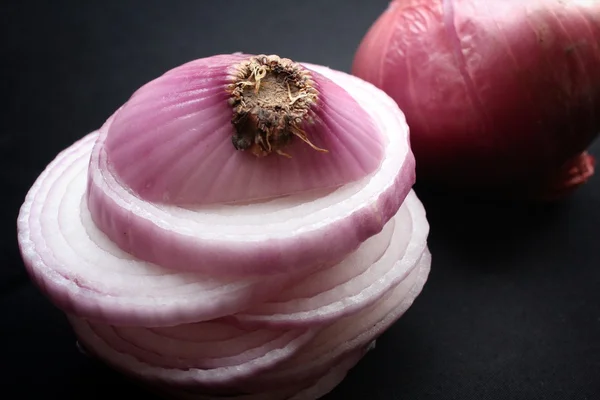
500 96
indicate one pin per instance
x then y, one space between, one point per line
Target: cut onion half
265 298
300 232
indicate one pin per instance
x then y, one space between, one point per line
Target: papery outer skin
495 92
360 333
171 142
183 239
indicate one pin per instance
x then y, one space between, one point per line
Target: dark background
511 310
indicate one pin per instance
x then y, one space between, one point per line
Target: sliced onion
353 284
293 233
284 293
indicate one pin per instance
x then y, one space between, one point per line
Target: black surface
512 307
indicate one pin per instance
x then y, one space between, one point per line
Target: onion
243 226
502 97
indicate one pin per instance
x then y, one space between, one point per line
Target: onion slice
353 284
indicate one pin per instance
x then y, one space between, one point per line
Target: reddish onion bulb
243 226
499 95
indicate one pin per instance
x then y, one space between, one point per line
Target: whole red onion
499 95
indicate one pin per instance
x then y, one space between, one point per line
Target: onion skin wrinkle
243 226
502 97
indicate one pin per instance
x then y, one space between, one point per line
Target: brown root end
574 174
271 98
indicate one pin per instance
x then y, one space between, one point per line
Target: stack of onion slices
199 297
